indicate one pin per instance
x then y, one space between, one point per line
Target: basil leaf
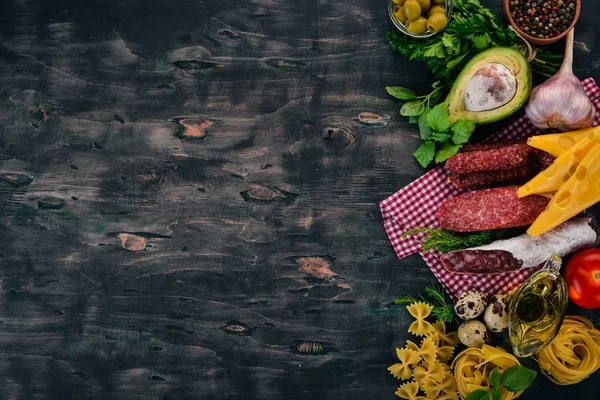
438 119
401 93
478 394
446 151
425 153
424 129
517 378
439 137
495 378
412 108
413 119
496 394
461 131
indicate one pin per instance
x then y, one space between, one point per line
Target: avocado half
493 85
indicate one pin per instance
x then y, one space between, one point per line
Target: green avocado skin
455 101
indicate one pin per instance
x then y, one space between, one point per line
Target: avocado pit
491 87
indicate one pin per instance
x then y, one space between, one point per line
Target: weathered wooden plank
188 200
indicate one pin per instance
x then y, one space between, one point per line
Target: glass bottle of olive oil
537 309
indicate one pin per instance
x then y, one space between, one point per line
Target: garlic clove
560 102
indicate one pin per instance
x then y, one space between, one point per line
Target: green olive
399 1
399 14
425 4
412 10
436 9
437 23
439 1
417 26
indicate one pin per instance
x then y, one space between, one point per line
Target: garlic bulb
560 102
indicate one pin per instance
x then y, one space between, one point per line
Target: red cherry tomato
583 277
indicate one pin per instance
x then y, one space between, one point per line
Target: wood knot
338 138
235 327
132 242
372 120
196 65
316 266
37 116
50 203
195 128
16 180
282 63
264 195
151 176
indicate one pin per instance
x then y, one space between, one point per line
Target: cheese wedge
581 191
557 143
561 170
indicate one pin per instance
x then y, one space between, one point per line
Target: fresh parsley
514 379
445 241
435 297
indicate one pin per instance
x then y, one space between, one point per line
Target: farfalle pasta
574 354
425 363
450 339
420 311
409 391
407 359
428 350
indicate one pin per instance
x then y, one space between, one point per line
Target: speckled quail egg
496 313
470 304
473 333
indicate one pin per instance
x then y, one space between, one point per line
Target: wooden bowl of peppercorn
542 22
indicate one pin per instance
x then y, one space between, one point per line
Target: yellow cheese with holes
561 169
581 191
557 143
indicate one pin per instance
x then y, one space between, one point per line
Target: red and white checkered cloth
417 204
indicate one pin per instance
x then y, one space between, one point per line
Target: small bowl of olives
420 18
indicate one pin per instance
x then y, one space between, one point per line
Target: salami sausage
480 261
523 251
487 209
544 160
475 180
503 158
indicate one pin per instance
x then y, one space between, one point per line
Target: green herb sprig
445 241
443 309
514 379
440 139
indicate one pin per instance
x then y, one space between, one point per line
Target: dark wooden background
188 199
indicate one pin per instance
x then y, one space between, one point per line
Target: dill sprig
445 241
434 296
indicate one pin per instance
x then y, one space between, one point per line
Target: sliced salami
486 209
502 158
544 160
475 180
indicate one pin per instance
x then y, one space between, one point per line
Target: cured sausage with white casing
523 251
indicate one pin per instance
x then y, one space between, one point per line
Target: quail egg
470 304
496 313
473 333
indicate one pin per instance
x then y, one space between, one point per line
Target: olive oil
537 309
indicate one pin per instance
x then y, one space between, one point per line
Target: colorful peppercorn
543 19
